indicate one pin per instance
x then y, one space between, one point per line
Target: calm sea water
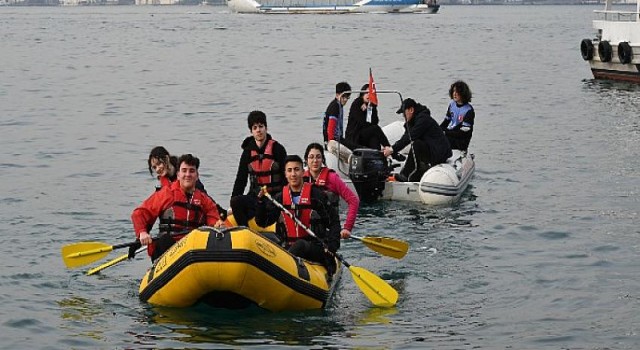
540 253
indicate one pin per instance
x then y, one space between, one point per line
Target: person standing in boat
311 206
429 145
179 206
362 125
333 123
165 166
458 122
261 164
320 175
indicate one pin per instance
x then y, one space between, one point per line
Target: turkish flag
373 97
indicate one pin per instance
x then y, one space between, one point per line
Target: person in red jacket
181 207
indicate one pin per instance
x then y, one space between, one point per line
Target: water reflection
603 86
80 312
376 316
202 324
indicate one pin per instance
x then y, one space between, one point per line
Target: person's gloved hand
132 249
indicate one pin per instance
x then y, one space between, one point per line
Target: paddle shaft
102 250
374 288
284 210
113 262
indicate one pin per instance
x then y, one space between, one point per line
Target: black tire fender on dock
586 49
604 51
625 53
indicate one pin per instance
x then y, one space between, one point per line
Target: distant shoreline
48 3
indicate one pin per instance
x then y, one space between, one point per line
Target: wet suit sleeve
402 143
266 212
280 156
242 175
375 120
330 220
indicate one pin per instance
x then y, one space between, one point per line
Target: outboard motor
368 170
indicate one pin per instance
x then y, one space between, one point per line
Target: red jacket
172 197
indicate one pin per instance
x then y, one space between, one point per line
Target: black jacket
422 127
358 119
242 175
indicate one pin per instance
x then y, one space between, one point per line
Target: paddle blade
379 292
83 253
387 246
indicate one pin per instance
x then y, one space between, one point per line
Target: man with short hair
181 207
261 163
310 205
429 145
333 123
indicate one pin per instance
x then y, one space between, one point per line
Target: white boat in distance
333 6
617 32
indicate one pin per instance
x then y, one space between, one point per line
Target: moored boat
236 268
332 6
425 6
615 51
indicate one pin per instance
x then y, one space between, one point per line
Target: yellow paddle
110 263
379 292
83 253
394 248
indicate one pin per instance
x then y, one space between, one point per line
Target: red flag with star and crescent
373 97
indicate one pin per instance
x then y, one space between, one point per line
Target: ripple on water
554 235
12 165
11 200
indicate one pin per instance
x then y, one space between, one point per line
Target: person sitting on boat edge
458 122
180 207
320 175
261 164
362 125
165 165
429 145
310 205
333 122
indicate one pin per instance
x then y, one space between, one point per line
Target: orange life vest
183 214
302 211
264 170
321 180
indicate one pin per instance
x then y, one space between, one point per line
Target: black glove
222 211
133 248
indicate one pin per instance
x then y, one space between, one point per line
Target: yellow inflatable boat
235 268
